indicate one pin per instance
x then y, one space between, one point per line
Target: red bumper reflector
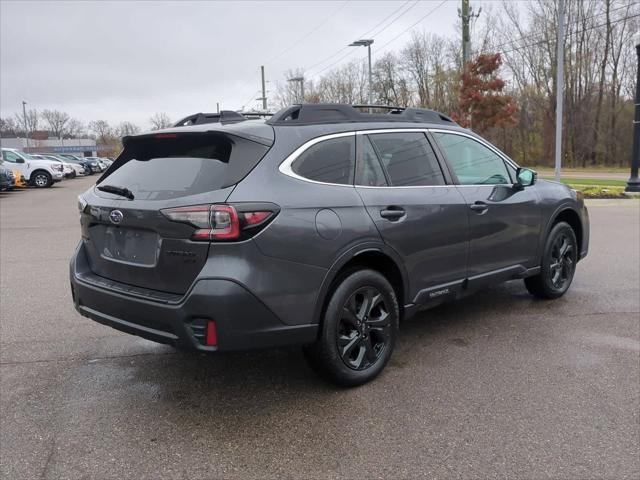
212 334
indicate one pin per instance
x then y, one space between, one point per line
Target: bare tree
30 122
102 131
9 126
74 128
56 121
126 128
159 121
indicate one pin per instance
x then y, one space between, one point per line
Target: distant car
38 173
77 168
97 166
78 161
67 170
7 178
107 161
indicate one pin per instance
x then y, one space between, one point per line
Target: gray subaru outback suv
323 226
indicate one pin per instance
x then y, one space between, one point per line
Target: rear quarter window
329 161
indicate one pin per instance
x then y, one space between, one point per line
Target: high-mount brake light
166 135
216 222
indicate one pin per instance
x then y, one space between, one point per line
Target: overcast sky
127 60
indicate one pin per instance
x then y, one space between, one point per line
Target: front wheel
558 264
359 330
42 179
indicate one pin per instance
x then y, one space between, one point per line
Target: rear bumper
242 321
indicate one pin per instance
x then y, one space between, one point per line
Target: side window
10 156
330 161
472 162
369 172
407 158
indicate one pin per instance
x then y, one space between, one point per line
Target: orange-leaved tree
482 105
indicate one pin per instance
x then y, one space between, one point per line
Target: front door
416 209
504 221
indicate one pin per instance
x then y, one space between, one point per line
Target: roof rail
319 113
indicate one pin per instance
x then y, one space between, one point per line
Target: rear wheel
558 264
359 330
41 179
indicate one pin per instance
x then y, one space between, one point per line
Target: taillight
218 222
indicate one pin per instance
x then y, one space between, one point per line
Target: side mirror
19 160
525 177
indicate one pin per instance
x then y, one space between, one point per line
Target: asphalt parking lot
498 385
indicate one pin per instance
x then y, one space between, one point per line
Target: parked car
78 161
324 226
106 161
38 173
77 168
7 179
97 166
67 170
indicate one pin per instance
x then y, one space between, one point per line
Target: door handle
479 207
392 213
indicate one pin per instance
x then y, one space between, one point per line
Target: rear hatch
128 238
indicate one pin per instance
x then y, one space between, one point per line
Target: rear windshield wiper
122 191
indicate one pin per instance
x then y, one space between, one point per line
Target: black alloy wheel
363 328
558 266
358 329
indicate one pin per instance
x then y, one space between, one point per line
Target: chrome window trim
285 166
481 142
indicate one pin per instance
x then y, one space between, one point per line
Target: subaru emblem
116 216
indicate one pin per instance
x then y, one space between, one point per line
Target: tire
558 266
41 179
358 330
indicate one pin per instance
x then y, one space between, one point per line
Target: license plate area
130 245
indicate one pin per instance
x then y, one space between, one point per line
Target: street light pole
559 88
633 184
299 80
24 118
366 43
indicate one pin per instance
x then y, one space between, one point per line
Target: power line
412 26
311 67
572 33
531 35
308 34
367 33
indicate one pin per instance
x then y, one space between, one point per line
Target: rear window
169 165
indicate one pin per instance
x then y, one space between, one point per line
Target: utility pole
264 91
217 107
559 88
24 118
633 184
466 36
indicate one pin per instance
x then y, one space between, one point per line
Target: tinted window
407 158
330 161
368 170
10 156
472 162
160 167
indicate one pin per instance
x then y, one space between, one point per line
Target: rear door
504 222
130 240
415 208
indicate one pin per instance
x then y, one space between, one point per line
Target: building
85 147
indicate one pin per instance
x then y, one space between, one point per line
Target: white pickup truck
39 173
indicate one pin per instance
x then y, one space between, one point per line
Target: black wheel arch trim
347 256
563 207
